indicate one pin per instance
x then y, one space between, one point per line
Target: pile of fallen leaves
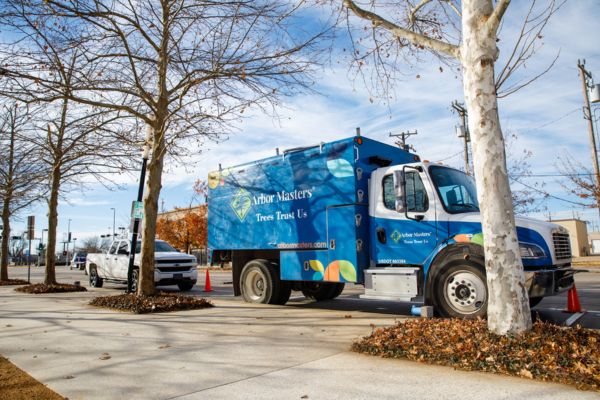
547 352
10 282
161 302
39 288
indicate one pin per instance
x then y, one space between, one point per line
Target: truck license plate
177 276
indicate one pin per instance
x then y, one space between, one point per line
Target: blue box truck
360 211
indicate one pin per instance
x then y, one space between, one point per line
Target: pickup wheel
320 291
260 283
534 301
95 280
185 286
461 290
135 276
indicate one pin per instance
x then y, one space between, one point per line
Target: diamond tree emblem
241 204
395 236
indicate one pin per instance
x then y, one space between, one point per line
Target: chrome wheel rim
465 292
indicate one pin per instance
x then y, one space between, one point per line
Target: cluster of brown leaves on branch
547 352
186 229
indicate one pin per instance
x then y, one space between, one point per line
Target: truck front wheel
95 280
260 283
461 291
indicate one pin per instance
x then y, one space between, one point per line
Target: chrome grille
173 269
562 245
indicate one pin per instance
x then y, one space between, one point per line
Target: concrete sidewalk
233 351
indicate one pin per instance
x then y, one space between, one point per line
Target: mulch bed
547 352
39 288
161 302
15 384
10 282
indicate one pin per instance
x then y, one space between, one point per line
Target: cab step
398 284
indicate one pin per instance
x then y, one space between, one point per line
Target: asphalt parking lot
551 309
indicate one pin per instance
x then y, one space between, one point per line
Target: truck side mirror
399 190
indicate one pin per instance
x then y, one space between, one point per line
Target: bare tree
75 142
20 171
580 181
91 244
465 32
185 69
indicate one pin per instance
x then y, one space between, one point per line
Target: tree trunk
151 194
508 303
5 239
50 277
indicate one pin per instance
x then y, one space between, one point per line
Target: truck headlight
529 250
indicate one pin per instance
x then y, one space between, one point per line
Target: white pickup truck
172 267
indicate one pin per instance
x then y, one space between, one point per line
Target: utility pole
402 142
462 131
587 82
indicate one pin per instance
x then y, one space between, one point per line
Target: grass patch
10 282
547 352
39 288
16 384
161 302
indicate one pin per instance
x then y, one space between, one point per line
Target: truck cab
419 212
360 211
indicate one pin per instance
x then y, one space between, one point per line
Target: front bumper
549 282
175 277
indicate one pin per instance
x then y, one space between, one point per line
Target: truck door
120 261
408 236
106 267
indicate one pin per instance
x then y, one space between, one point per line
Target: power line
546 194
551 122
547 175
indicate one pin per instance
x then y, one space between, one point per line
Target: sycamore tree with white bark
387 35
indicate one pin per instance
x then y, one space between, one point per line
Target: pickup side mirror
121 251
400 190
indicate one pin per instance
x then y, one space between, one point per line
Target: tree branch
493 22
401 33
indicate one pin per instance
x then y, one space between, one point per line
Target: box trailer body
332 213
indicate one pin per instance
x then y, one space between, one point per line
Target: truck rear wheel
461 291
320 291
260 283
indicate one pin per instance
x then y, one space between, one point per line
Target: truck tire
461 290
260 283
95 280
339 288
534 301
319 291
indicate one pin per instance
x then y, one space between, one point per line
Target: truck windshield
158 247
456 189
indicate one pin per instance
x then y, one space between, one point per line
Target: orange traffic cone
573 305
207 287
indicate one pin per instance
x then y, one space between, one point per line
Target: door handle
381 235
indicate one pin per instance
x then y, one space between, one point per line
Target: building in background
580 244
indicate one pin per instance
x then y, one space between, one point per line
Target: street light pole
587 114
68 239
114 215
136 221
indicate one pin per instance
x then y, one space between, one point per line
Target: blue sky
546 116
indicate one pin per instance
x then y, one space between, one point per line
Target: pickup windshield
456 189
158 247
